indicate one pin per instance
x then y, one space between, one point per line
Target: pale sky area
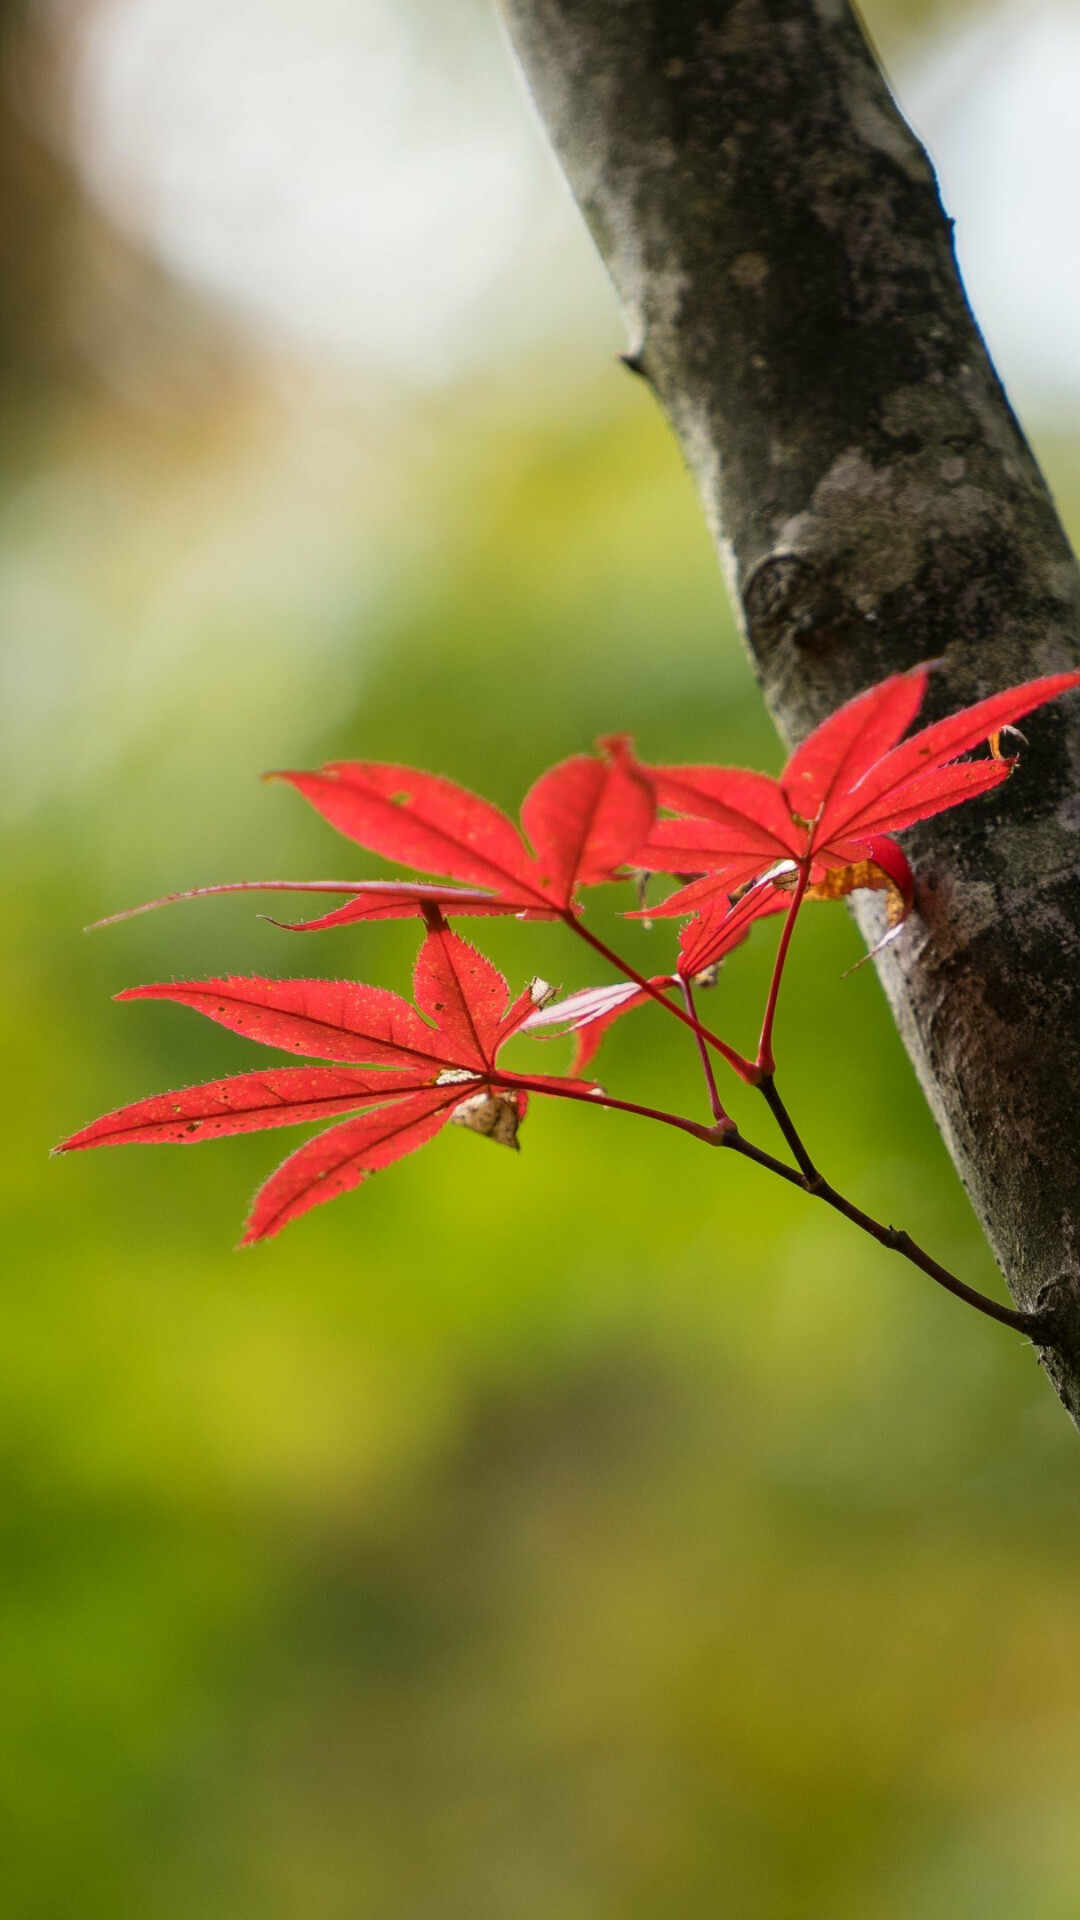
362 187
367 185
999 108
354 175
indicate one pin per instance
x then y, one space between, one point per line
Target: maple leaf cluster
755 845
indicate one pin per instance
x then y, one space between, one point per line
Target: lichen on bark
775 233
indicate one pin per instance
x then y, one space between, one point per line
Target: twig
1037 1327
767 1087
894 1238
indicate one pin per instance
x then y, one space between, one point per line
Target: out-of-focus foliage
591 1532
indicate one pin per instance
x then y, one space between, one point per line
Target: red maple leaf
584 818
434 1062
843 792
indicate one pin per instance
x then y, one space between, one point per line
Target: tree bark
775 233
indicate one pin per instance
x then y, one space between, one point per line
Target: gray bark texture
776 237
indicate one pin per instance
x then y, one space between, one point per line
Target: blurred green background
591 1533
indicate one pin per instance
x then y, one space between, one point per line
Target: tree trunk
787 273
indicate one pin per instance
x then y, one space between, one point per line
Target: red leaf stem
765 1063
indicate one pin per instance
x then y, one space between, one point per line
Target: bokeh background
591 1533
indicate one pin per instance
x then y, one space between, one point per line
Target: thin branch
786 1124
725 1133
895 1239
1037 1327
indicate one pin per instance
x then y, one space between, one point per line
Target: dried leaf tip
494 1112
996 739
